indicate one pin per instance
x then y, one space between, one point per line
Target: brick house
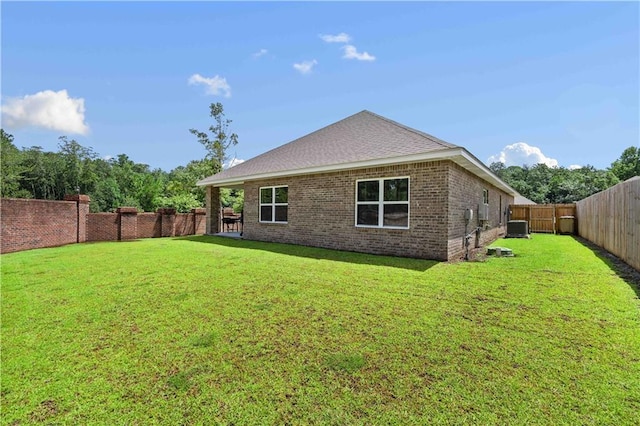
367 184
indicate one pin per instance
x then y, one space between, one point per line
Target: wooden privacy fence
542 217
611 219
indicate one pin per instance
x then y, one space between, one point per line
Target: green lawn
206 330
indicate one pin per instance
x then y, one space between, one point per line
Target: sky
518 82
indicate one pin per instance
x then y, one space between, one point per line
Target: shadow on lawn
317 253
617 265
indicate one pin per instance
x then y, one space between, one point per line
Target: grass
204 330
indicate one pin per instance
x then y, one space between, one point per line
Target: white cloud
521 153
305 66
350 52
46 109
260 53
574 167
232 162
215 85
338 38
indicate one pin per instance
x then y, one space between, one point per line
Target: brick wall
128 229
200 221
184 224
82 210
321 211
29 224
168 222
103 226
149 225
128 224
465 192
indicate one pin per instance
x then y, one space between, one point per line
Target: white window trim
381 203
272 204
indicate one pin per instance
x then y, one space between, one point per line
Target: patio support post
213 210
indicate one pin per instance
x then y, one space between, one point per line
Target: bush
183 203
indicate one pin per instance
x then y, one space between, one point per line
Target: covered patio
223 221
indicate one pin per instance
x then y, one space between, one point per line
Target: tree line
557 185
116 182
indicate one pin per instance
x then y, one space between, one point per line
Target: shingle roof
361 137
362 140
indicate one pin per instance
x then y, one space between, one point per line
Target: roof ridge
361 136
410 129
284 146
313 132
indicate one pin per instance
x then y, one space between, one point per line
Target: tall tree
544 184
12 169
138 185
498 168
220 140
78 173
182 179
628 165
44 174
539 177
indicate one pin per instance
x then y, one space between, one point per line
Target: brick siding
212 222
321 211
465 192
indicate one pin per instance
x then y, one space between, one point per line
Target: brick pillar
213 210
82 210
199 221
168 221
128 221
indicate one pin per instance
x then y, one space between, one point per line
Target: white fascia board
229 183
427 156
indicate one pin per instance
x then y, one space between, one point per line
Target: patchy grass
205 330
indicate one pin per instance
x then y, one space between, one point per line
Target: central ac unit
517 228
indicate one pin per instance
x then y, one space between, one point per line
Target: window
274 204
383 203
483 210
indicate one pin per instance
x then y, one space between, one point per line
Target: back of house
367 184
